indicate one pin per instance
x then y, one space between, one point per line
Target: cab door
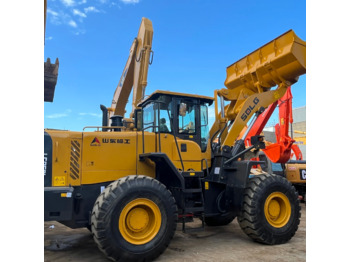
188 132
187 122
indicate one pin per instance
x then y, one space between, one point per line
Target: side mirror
182 109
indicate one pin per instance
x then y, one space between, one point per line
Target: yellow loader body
82 158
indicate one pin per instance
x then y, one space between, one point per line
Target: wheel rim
140 221
277 209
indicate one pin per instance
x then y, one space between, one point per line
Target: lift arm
249 82
135 72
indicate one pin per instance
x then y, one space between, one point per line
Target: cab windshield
156 116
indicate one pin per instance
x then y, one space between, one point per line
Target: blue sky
193 43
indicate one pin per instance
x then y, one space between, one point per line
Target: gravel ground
227 243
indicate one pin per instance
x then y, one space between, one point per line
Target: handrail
206 165
107 127
177 146
143 137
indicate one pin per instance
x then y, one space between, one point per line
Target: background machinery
281 152
50 70
295 172
299 137
132 182
134 77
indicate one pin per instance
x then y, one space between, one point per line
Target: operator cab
183 115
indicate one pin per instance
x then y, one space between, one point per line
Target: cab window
187 118
164 121
149 116
156 115
204 127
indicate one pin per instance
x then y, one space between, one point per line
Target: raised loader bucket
282 60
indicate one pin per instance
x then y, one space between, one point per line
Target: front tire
134 219
271 212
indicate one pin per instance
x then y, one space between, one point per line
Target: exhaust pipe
104 117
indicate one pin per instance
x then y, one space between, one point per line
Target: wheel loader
132 180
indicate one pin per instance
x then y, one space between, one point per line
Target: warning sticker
59 181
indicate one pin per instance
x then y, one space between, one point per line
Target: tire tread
250 218
102 207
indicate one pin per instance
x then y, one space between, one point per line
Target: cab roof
157 93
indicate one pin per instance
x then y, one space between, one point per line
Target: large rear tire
134 219
271 211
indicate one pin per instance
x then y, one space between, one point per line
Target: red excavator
282 151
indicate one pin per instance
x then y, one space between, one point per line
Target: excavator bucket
50 79
282 60
50 70
277 153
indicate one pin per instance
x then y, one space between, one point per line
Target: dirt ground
227 243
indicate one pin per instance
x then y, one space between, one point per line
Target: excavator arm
135 72
123 90
250 80
279 152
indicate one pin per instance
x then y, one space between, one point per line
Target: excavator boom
135 72
261 122
125 84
